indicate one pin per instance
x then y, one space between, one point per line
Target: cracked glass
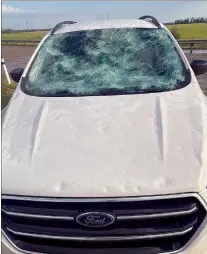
106 62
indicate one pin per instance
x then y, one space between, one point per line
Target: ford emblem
95 219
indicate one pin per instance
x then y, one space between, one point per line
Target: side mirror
199 66
16 74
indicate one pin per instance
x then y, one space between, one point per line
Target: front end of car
116 184
153 224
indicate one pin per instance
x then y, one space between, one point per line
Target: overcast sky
45 14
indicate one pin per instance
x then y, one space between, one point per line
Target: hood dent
36 129
160 124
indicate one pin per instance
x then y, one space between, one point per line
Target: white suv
104 146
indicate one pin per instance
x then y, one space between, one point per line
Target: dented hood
134 145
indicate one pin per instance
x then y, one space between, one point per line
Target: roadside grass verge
37 35
20 44
202 46
6 92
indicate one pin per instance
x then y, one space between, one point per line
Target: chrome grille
143 225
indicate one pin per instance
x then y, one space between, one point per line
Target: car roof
103 24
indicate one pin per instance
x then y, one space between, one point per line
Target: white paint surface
103 24
134 145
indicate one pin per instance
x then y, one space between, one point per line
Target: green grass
187 31
37 35
6 92
191 31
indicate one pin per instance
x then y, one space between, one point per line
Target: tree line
9 30
191 20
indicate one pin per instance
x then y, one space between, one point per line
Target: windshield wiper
151 90
111 91
61 93
107 91
131 90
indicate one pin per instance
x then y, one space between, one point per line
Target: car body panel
124 145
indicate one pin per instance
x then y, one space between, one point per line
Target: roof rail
59 25
153 20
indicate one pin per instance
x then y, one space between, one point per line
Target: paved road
18 56
203 78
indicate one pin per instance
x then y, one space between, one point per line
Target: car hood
134 145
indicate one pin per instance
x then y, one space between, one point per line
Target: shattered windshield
106 62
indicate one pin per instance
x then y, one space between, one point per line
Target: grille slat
104 238
49 230
38 216
155 214
158 215
161 224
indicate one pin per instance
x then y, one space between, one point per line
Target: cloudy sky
45 14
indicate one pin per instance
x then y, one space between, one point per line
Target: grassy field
38 35
187 31
191 31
